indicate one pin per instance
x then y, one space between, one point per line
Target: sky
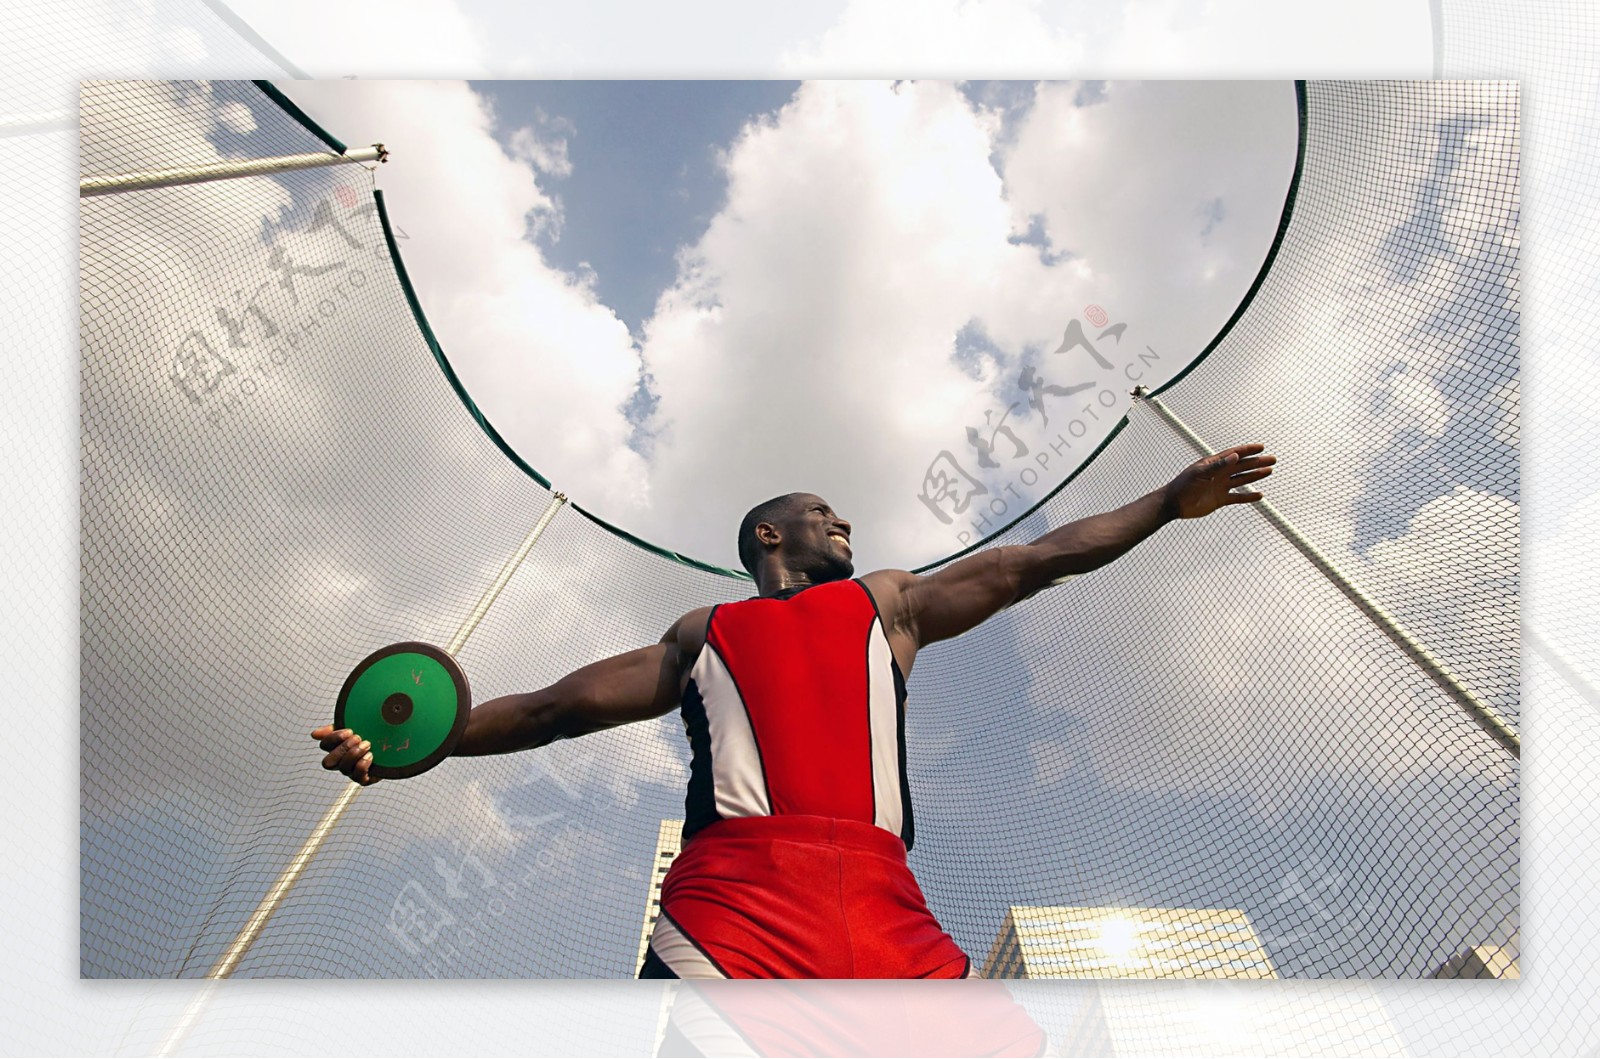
330 495
749 287
641 180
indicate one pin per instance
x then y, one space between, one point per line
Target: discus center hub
397 708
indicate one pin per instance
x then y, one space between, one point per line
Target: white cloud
237 118
1507 400
1452 579
1130 185
544 145
474 821
1411 398
549 365
807 343
814 321
1267 671
1441 552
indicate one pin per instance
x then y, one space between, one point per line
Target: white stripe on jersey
883 719
737 779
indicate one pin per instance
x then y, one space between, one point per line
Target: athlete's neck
781 581
777 580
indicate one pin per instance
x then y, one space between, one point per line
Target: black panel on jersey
908 829
700 804
654 966
867 714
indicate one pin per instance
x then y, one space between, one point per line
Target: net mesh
277 478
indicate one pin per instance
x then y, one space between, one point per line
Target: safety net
1281 725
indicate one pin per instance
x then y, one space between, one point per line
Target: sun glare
1119 937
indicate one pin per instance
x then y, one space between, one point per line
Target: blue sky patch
645 172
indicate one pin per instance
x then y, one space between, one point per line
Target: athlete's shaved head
775 510
810 543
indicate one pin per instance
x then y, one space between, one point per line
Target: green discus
411 701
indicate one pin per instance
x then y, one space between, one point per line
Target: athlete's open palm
1208 484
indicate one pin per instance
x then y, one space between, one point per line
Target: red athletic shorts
797 897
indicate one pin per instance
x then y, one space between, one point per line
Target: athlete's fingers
1249 476
345 755
331 761
330 738
352 762
1242 498
362 772
1253 462
1241 451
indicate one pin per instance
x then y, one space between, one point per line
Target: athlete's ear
768 534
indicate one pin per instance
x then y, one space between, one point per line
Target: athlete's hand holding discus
406 708
347 752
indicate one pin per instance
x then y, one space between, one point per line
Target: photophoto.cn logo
1009 458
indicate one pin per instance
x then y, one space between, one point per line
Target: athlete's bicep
962 595
633 686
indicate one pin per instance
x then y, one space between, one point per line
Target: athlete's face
817 542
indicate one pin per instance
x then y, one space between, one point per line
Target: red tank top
797 706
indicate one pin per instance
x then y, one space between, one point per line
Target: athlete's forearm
972 590
1091 543
512 722
628 687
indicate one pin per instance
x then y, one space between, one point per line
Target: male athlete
798 815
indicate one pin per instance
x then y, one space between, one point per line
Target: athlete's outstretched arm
968 592
634 686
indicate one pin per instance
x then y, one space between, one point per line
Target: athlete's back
795 706
798 814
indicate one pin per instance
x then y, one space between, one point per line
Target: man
798 814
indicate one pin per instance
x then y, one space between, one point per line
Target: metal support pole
229 961
200 174
500 582
1486 716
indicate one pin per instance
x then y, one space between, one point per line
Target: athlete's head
802 532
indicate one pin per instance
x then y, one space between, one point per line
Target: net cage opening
1206 752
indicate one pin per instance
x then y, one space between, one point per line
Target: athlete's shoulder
689 631
888 588
889 580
